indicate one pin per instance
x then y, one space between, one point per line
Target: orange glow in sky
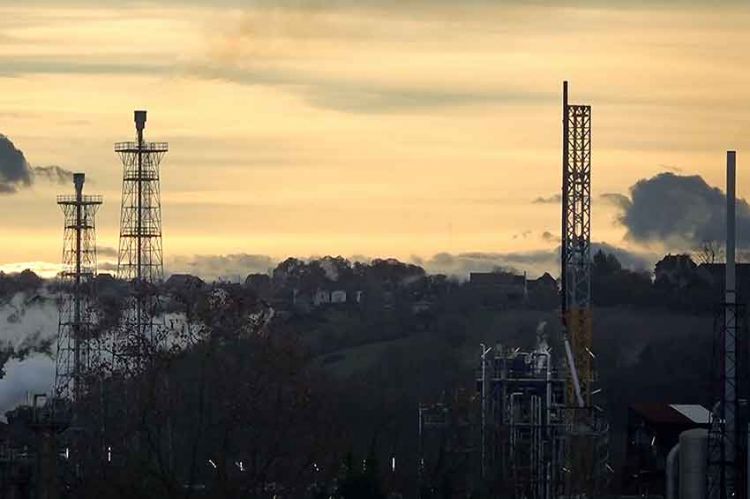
363 128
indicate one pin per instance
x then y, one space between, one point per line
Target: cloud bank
535 263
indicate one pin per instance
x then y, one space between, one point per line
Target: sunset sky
373 128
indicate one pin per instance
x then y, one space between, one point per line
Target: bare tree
709 251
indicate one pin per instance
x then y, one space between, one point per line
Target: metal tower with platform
79 348
140 251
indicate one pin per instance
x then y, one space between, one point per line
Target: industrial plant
152 374
541 431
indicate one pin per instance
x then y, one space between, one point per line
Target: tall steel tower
140 253
576 245
586 449
727 450
78 350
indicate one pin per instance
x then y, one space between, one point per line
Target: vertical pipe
139 214
420 455
484 411
534 444
564 199
730 335
140 123
731 231
548 430
539 466
78 180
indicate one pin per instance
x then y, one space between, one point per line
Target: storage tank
693 462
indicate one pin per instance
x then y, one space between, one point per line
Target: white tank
693 461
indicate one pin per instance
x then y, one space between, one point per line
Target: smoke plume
53 173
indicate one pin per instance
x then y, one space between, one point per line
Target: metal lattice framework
79 350
586 442
724 477
576 243
140 252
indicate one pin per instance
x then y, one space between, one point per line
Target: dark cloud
619 200
679 211
16 173
554 198
14 169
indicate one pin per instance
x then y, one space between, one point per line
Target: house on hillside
546 281
322 296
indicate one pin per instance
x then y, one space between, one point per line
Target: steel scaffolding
525 422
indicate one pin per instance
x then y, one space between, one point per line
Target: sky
408 129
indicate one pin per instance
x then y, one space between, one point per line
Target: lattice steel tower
140 253
78 348
576 242
586 429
